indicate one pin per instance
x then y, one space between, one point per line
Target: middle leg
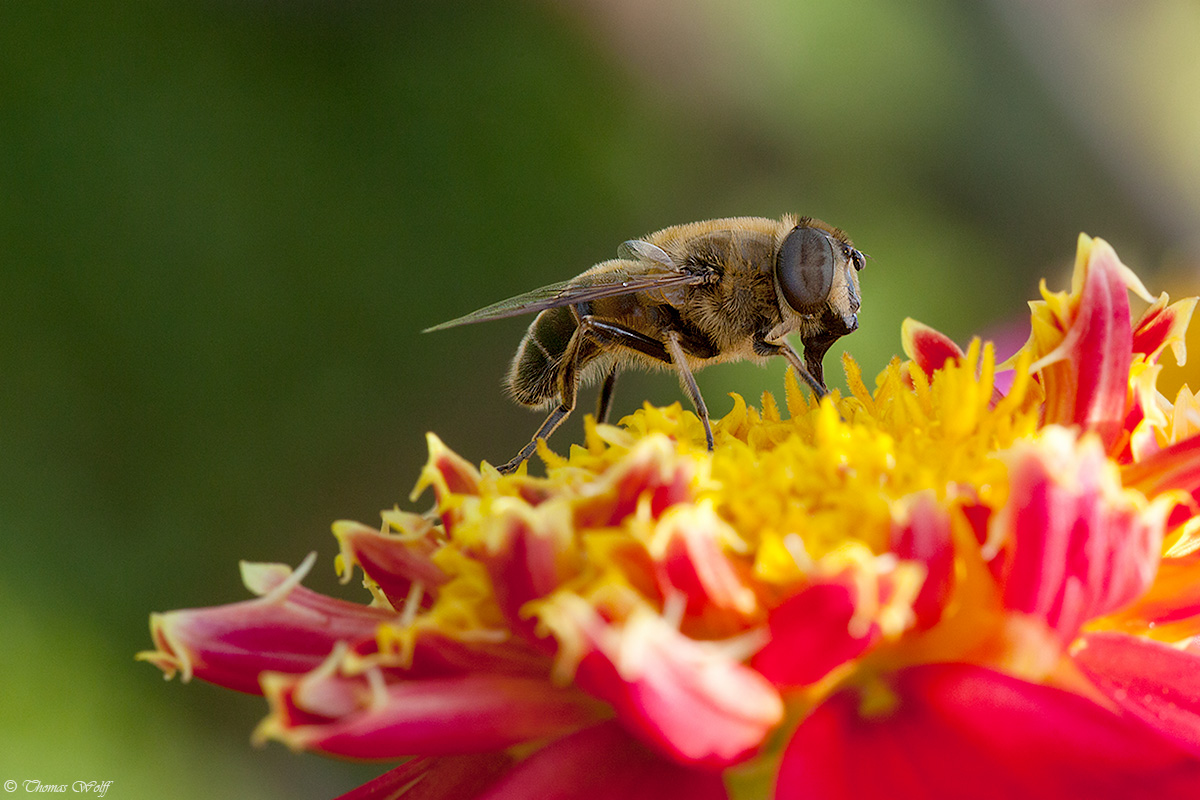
688 381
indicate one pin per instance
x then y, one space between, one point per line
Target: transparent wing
641 250
577 290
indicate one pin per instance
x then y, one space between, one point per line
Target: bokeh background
223 226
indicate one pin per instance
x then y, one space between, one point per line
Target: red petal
442 778
393 561
810 635
929 349
291 630
963 731
436 655
689 549
921 532
447 471
1154 682
599 763
652 470
1174 467
1163 325
529 553
438 716
450 475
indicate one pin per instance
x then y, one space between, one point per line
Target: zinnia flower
928 589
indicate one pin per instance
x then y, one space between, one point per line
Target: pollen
641 518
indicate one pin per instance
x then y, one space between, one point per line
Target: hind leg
556 418
604 401
591 331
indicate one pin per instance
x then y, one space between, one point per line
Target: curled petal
1147 419
1084 343
1151 681
1185 416
1174 467
393 561
289 629
694 701
1078 545
362 717
953 730
446 471
604 762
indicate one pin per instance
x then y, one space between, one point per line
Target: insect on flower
684 297
930 588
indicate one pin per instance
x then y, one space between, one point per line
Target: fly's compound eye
804 269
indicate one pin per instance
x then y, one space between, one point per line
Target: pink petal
441 778
963 731
599 763
436 655
291 630
694 701
1078 545
1152 681
393 561
811 635
351 716
689 551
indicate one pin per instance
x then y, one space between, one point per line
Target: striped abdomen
533 377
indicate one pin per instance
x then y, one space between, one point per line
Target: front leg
816 384
832 327
815 349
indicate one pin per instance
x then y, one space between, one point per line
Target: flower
932 588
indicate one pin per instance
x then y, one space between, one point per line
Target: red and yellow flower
929 589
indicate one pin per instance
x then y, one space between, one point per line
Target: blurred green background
224 224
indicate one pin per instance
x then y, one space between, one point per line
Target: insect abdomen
533 377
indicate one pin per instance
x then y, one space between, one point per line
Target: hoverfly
684 297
